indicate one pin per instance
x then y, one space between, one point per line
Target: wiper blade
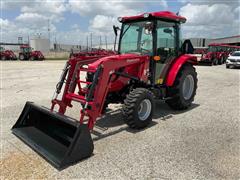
125 30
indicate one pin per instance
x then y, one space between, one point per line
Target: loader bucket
60 139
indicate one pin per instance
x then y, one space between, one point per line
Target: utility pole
106 42
87 43
100 43
49 30
28 40
91 40
56 46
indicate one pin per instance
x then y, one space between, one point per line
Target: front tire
184 89
215 61
3 58
138 108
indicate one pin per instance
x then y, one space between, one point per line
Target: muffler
59 139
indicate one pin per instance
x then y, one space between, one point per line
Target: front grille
235 60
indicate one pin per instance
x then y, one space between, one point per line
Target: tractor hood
117 58
208 55
37 53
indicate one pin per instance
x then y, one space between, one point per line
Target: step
77 98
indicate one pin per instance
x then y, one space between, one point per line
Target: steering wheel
146 50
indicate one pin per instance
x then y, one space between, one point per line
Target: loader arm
93 98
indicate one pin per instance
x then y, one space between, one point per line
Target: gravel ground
201 143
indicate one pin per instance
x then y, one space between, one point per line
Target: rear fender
176 66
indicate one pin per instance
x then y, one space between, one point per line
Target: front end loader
150 64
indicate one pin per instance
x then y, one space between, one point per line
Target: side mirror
115 29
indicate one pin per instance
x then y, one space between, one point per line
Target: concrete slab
200 143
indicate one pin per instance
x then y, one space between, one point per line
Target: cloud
207 15
102 23
13 5
107 7
45 7
209 20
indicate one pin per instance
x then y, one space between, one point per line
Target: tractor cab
25 49
156 35
25 52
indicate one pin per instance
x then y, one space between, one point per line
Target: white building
40 44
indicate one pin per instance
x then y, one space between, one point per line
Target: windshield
212 49
236 54
136 37
26 49
166 39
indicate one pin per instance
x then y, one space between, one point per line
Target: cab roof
166 15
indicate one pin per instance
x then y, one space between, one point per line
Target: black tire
21 57
3 58
131 106
215 61
221 60
227 66
178 102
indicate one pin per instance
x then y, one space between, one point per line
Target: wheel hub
188 87
144 109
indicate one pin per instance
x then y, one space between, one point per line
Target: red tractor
97 52
26 53
7 54
149 65
216 54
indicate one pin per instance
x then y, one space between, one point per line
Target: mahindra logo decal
132 60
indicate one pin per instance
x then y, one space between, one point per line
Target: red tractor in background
26 53
7 54
94 52
150 65
216 54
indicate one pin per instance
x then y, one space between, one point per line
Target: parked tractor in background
150 65
216 54
92 53
7 54
26 53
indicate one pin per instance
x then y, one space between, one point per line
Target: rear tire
221 60
138 108
184 88
21 57
215 61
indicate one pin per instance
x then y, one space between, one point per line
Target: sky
71 21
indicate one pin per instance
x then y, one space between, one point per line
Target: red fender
176 66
